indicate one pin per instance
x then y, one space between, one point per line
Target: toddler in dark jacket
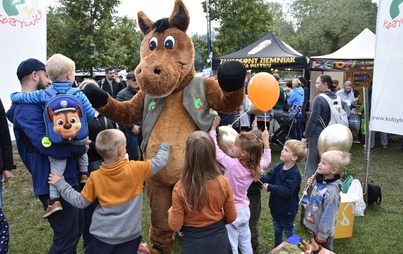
284 183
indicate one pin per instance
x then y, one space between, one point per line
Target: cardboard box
345 218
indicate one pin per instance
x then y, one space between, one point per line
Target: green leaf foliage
241 23
92 35
200 45
322 26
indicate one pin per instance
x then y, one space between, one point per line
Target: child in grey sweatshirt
324 197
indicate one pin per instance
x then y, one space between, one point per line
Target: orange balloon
254 110
263 91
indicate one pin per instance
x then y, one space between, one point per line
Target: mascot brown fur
170 110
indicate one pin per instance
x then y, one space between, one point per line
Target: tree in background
323 26
283 28
241 23
90 34
200 45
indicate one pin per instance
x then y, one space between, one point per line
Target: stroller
287 124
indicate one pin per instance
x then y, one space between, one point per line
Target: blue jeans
383 137
132 145
89 210
281 226
298 127
66 225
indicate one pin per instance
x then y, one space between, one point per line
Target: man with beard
110 83
34 150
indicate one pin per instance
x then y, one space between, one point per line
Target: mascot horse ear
145 23
179 19
180 16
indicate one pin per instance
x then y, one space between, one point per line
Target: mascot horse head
167 53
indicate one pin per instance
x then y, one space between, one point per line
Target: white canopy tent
356 56
360 48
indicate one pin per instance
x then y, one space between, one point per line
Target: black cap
28 66
131 75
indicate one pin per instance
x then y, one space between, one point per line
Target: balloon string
265 121
236 120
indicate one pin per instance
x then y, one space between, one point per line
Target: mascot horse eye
169 42
153 43
73 120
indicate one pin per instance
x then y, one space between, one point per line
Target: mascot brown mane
172 103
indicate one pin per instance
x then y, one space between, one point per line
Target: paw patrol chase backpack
64 117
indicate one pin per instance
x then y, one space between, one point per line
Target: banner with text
293 62
386 111
23 36
341 65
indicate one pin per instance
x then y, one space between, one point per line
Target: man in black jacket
109 84
132 132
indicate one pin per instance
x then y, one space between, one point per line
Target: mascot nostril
172 103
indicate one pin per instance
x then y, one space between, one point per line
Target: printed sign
386 113
23 36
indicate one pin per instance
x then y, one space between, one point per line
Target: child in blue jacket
284 183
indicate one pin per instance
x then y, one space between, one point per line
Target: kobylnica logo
20 13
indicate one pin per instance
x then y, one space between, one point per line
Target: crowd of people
93 188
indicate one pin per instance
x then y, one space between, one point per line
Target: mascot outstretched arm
172 103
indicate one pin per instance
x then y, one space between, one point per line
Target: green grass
376 232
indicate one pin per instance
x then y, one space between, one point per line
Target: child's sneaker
52 208
83 179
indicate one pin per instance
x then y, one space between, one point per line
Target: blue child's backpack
64 115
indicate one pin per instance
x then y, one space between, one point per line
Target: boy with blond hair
284 183
118 186
61 71
324 197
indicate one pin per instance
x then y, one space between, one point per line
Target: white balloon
335 137
226 138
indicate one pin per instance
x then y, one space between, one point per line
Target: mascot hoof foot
231 76
96 95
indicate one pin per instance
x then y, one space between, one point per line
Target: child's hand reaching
215 123
53 178
319 239
309 182
265 137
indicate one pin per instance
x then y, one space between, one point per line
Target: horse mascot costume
171 103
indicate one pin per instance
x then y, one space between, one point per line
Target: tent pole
367 145
209 39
